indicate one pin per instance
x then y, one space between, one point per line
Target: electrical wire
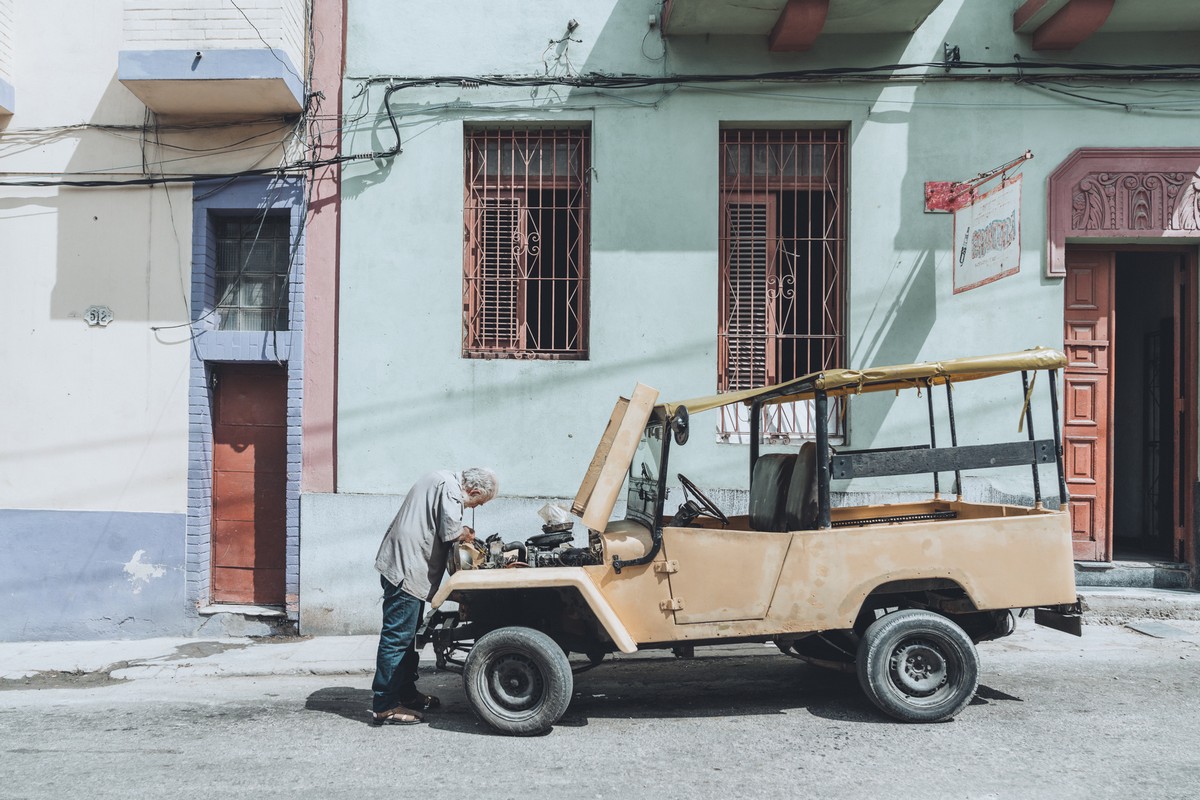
963 70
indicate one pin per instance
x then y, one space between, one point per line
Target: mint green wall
408 402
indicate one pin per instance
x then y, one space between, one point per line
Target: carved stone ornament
98 316
1112 193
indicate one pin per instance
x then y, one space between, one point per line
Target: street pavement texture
1110 715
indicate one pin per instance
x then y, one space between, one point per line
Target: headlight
465 555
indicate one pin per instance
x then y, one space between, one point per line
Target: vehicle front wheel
518 681
918 666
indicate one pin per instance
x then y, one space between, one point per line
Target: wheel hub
918 668
515 682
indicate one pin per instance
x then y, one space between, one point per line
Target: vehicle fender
857 596
541 578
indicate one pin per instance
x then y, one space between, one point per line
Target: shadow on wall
107 254
897 326
130 248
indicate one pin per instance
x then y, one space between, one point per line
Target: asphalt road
1114 715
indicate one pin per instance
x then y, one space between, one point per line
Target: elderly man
411 562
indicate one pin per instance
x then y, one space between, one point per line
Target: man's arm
449 507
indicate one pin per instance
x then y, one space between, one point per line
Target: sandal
396 716
423 702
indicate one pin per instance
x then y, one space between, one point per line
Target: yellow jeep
899 593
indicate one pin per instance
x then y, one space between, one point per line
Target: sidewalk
56 663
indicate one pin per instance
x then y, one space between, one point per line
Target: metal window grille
525 261
252 272
782 243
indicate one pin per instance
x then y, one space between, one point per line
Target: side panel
724 575
1011 562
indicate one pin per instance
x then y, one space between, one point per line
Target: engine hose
522 553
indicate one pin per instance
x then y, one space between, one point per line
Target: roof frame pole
1058 448
937 489
958 493
821 402
755 433
1037 481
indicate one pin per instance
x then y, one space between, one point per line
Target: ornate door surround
1120 194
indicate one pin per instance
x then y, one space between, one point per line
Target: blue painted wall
92 575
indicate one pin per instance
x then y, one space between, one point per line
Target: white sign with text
987 237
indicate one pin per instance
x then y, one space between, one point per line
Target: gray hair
481 479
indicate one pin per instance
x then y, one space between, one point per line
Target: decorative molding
1122 194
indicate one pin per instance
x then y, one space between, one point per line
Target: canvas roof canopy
839 382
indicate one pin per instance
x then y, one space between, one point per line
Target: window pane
252 272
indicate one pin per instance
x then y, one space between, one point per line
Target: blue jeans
396 662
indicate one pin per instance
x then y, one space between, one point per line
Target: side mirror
679 425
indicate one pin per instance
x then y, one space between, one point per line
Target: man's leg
396 660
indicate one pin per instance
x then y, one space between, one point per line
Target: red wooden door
249 484
1184 376
1087 398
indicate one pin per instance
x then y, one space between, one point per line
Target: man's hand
467 536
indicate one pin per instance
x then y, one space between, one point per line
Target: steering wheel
709 507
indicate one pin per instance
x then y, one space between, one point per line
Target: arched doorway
1120 221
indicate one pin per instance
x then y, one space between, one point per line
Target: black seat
768 490
800 509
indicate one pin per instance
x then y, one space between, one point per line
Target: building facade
159 162
703 197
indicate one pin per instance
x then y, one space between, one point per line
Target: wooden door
1183 407
249 484
1087 447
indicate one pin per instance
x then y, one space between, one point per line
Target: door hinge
666 566
674 604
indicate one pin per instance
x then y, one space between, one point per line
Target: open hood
606 474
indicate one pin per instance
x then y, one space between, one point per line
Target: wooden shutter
496 289
748 323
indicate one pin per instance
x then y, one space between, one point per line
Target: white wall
6 40
95 418
184 24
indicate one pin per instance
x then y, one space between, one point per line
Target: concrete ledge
253 81
8 98
1109 605
1133 574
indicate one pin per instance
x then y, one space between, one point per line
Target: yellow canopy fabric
839 382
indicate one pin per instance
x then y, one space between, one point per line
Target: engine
550 548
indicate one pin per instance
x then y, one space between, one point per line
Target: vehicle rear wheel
518 681
918 666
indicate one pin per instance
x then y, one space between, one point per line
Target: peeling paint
140 572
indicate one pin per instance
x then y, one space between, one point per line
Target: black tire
918 666
518 681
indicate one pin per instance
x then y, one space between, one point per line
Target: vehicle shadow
660 688
717 687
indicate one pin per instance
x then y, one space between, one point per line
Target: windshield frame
636 506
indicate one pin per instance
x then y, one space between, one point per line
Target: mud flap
1065 618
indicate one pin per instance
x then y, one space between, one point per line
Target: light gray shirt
413 553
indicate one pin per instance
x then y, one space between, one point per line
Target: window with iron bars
782 244
525 261
253 259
